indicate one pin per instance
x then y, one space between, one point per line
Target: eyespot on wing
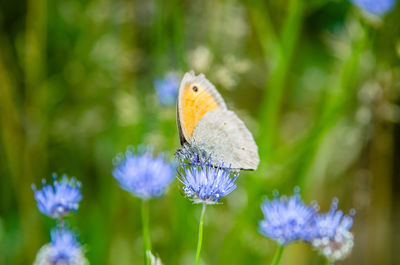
196 96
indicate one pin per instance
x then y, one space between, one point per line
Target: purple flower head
332 236
287 219
206 184
142 174
64 246
59 199
63 249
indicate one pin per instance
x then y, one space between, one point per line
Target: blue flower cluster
167 89
206 184
142 174
60 199
286 219
290 219
57 201
376 7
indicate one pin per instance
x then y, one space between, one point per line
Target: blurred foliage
317 82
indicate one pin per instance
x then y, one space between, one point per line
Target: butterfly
208 129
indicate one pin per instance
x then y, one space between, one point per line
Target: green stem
200 239
272 98
278 255
61 223
340 98
146 231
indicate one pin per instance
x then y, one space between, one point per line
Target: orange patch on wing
194 106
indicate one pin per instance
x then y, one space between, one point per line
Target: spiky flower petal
142 174
204 183
58 199
332 236
287 219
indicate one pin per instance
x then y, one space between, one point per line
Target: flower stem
200 239
278 255
61 223
146 231
282 56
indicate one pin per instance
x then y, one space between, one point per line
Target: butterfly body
205 122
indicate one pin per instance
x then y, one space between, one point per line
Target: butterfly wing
222 134
192 105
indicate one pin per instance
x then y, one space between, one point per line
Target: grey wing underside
223 135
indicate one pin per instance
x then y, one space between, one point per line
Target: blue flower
63 249
167 90
287 219
64 246
60 199
376 7
142 174
206 184
331 233
327 224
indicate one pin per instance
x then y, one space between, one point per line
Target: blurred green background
316 81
